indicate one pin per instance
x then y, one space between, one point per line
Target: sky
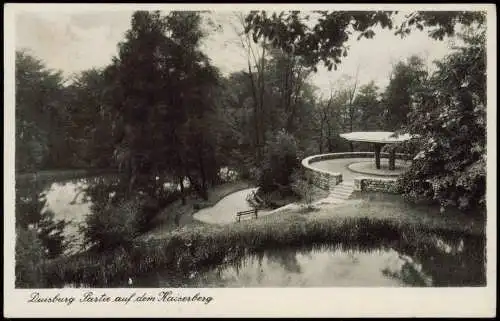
76 41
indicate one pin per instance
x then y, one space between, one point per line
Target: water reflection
389 265
68 201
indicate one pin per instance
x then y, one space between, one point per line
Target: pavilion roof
375 137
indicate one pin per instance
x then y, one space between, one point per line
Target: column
377 147
392 159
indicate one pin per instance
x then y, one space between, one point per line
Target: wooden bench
250 212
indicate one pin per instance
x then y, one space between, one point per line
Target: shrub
227 175
148 207
29 255
280 161
50 233
113 226
449 118
302 188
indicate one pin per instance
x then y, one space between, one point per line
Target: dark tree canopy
406 81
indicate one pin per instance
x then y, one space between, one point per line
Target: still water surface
444 264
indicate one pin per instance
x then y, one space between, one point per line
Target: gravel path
224 211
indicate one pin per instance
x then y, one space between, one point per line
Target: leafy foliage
163 89
450 121
91 119
324 41
371 108
29 255
302 187
406 81
320 36
439 24
280 161
114 226
39 112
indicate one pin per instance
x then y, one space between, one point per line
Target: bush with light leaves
449 119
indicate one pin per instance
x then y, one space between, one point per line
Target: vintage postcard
238 160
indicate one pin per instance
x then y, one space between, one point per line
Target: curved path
224 211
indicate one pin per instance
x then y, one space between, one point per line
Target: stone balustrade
327 180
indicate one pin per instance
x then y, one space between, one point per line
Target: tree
331 117
136 78
39 115
162 91
197 89
236 130
90 119
349 112
370 108
449 118
280 161
256 72
291 96
325 40
273 94
406 80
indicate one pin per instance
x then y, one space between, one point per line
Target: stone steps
341 191
340 197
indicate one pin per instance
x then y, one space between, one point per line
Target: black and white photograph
155 151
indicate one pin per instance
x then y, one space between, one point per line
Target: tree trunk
261 101
183 195
351 146
392 159
204 193
321 137
255 111
377 148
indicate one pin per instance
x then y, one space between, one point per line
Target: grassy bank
188 249
391 206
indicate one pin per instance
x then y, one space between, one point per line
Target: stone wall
321 157
385 185
323 179
327 180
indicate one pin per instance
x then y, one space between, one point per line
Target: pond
446 263
68 201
